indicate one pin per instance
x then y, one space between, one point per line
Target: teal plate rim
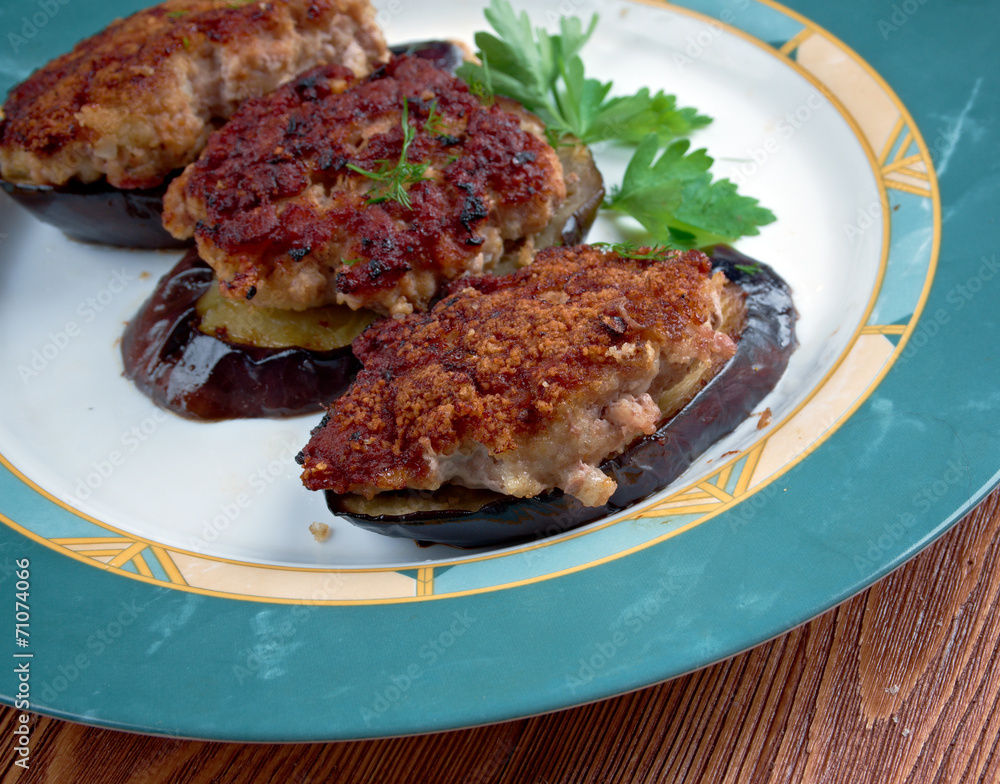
159 660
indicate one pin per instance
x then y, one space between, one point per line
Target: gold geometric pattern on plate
907 171
709 495
425 581
120 552
884 329
194 572
230 578
793 43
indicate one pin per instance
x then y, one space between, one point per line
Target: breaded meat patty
367 193
525 382
137 101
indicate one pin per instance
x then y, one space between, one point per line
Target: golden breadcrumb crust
280 210
502 359
138 100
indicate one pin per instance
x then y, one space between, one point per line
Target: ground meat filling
523 383
280 210
138 100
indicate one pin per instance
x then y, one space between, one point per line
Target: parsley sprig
393 179
545 74
668 189
676 201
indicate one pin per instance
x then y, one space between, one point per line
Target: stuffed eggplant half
306 250
89 141
373 193
527 405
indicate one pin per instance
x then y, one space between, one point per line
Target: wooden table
898 684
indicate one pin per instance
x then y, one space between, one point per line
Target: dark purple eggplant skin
202 377
444 54
98 212
652 462
577 226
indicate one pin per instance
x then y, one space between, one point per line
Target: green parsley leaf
480 82
631 118
675 200
521 65
668 190
176 14
545 74
392 180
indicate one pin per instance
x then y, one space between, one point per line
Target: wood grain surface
899 684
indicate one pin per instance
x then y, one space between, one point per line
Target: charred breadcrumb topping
501 359
138 100
276 209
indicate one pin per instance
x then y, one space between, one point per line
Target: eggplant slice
98 212
476 518
202 377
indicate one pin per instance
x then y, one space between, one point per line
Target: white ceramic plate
230 490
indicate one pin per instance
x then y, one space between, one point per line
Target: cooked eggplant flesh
241 322
472 519
207 377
